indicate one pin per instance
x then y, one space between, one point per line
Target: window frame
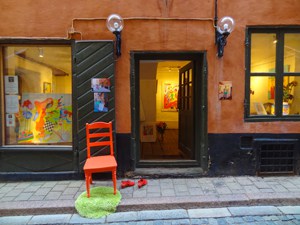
34 147
278 74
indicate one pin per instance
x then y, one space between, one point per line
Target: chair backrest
99 134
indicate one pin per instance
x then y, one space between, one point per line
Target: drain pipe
216 13
216 18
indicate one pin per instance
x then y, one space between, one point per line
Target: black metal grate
276 158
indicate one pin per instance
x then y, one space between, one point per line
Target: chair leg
87 183
114 178
91 179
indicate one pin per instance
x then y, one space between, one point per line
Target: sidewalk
56 197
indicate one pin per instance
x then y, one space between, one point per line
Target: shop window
272 74
37 94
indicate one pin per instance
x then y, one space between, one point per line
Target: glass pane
263 52
262 95
292 53
291 95
37 93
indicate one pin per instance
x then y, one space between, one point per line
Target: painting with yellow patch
45 118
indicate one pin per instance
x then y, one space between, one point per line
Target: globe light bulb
225 27
115 23
225 24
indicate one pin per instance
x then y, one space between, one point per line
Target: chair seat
100 163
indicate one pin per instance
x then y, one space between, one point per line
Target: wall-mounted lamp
115 24
224 27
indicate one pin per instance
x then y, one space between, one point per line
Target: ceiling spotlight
41 52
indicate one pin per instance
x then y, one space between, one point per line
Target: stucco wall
53 19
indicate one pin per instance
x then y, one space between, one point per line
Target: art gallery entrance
169 109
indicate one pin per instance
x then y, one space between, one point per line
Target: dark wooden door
93 59
186 111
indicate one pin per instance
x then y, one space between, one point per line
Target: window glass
37 95
274 89
292 53
263 52
291 95
262 95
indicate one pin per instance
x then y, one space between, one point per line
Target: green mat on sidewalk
102 202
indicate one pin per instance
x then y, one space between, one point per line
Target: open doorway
168 102
159 110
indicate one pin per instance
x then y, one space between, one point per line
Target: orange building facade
228 114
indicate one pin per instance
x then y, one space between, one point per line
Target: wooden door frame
200 110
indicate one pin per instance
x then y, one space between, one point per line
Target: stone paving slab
50 219
211 212
122 217
15 220
77 219
163 214
290 209
254 210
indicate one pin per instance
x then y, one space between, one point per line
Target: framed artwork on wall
169 96
46 87
225 90
100 102
148 132
271 88
100 84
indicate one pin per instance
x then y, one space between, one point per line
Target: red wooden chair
99 134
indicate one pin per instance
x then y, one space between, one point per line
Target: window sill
37 148
271 118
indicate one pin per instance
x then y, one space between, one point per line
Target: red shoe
142 182
127 183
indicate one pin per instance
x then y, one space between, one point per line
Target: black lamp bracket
221 40
118 42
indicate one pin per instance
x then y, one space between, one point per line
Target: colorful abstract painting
170 94
45 118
